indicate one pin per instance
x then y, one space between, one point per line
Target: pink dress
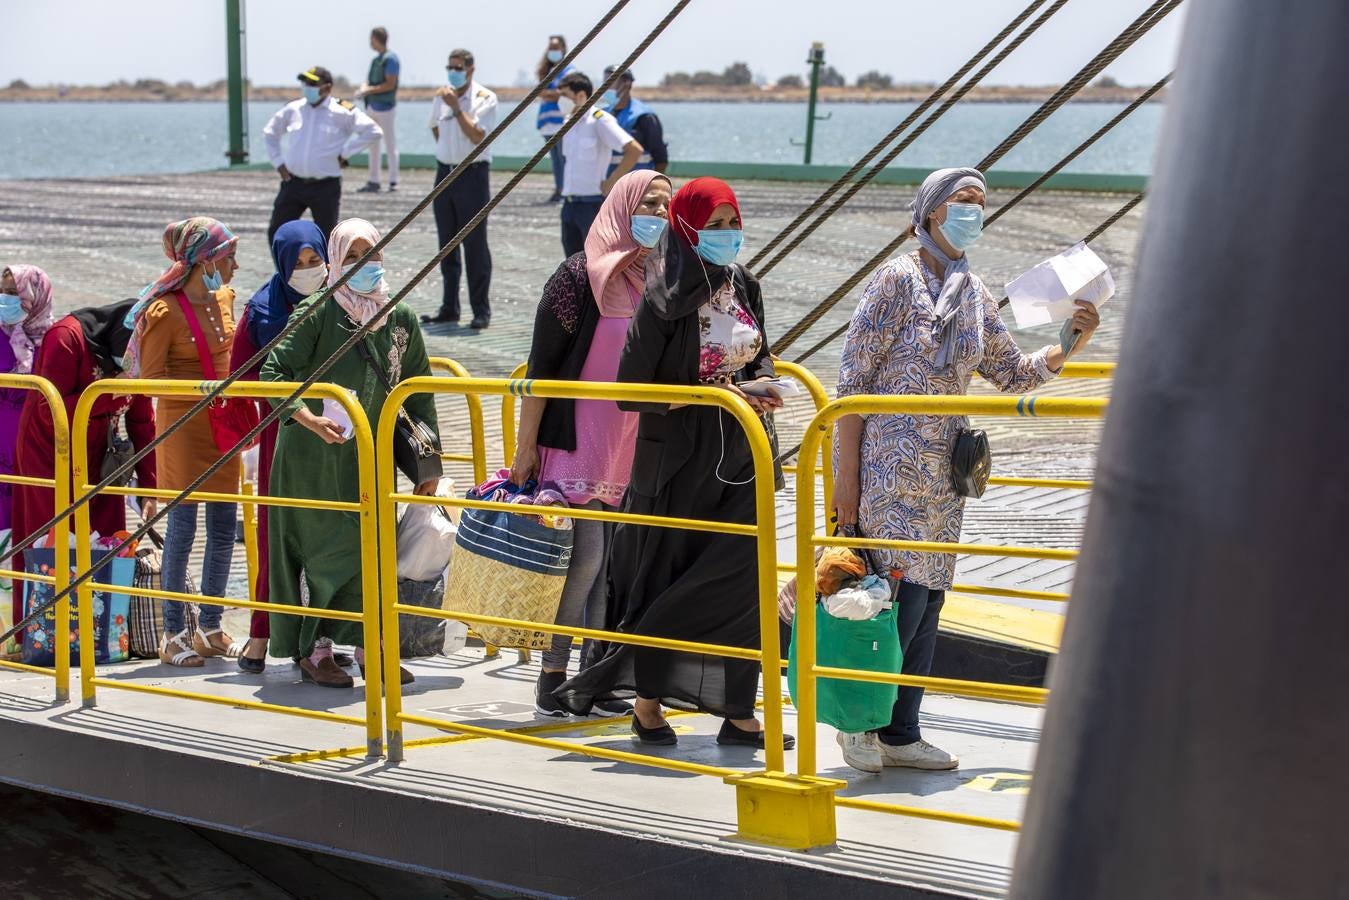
599 467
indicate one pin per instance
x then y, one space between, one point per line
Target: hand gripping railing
60 485
752 824
806 541
364 507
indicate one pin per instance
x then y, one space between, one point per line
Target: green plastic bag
869 644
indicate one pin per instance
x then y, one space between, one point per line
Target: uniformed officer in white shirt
586 179
321 135
463 113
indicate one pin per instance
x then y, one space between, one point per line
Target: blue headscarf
270 307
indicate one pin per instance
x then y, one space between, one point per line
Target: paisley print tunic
905 471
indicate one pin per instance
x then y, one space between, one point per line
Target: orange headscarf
610 249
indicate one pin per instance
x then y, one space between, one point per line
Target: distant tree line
738 74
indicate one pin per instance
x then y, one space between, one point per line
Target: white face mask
307 281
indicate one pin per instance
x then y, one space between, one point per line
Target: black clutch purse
971 463
416 445
118 453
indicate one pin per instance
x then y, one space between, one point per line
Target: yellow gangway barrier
60 485
808 671
477 435
364 508
774 807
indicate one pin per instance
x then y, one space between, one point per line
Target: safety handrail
764 531
808 669
477 434
60 485
364 508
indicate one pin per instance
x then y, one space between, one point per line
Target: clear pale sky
96 41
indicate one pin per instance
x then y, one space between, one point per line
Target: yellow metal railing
60 485
477 434
808 671
763 531
364 508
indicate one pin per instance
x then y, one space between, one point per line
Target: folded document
1045 293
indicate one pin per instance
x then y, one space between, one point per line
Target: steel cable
894 133
1140 26
903 145
360 332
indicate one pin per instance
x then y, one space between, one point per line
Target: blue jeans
558 160
179 537
919 614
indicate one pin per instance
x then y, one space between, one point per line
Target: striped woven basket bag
511 567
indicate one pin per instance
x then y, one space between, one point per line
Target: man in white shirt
586 178
321 135
462 115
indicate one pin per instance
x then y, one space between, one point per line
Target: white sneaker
861 751
918 755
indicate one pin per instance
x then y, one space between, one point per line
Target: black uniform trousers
454 208
321 196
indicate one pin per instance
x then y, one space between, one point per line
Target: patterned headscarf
360 307
186 243
935 190
610 249
35 297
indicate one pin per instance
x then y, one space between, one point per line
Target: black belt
584 198
453 166
303 180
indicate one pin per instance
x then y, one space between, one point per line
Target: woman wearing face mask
701 321
165 344
76 351
315 555
924 325
300 255
25 316
583 448
551 111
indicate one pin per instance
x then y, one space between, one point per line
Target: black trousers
321 196
577 217
919 615
454 208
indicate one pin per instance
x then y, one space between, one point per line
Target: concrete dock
499 813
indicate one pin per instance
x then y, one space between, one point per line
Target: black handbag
971 463
416 445
117 454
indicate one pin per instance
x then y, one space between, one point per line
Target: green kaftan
315 555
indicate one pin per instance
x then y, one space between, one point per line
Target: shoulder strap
364 349
198 337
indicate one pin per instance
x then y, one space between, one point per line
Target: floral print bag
112 636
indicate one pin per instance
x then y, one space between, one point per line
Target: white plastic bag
456 637
863 601
426 538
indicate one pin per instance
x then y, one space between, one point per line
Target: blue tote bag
112 613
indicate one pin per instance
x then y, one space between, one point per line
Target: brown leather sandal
214 643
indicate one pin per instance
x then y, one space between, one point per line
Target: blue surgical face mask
11 309
312 93
367 278
456 77
609 99
555 56
646 230
964 223
213 280
720 246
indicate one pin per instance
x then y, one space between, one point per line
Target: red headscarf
692 206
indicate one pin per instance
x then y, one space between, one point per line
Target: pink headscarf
360 307
35 296
610 249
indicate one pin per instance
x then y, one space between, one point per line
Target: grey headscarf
935 190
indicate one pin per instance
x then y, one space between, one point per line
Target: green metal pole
234 49
816 59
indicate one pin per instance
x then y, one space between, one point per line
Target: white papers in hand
338 413
1045 293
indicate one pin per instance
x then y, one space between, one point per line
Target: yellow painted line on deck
1032 629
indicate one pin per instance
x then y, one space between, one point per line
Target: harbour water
105 139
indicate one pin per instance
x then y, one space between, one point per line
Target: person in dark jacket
701 321
638 120
583 448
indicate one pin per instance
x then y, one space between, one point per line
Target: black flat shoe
252 666
734 737
440 318
662 735
343 660
478 324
